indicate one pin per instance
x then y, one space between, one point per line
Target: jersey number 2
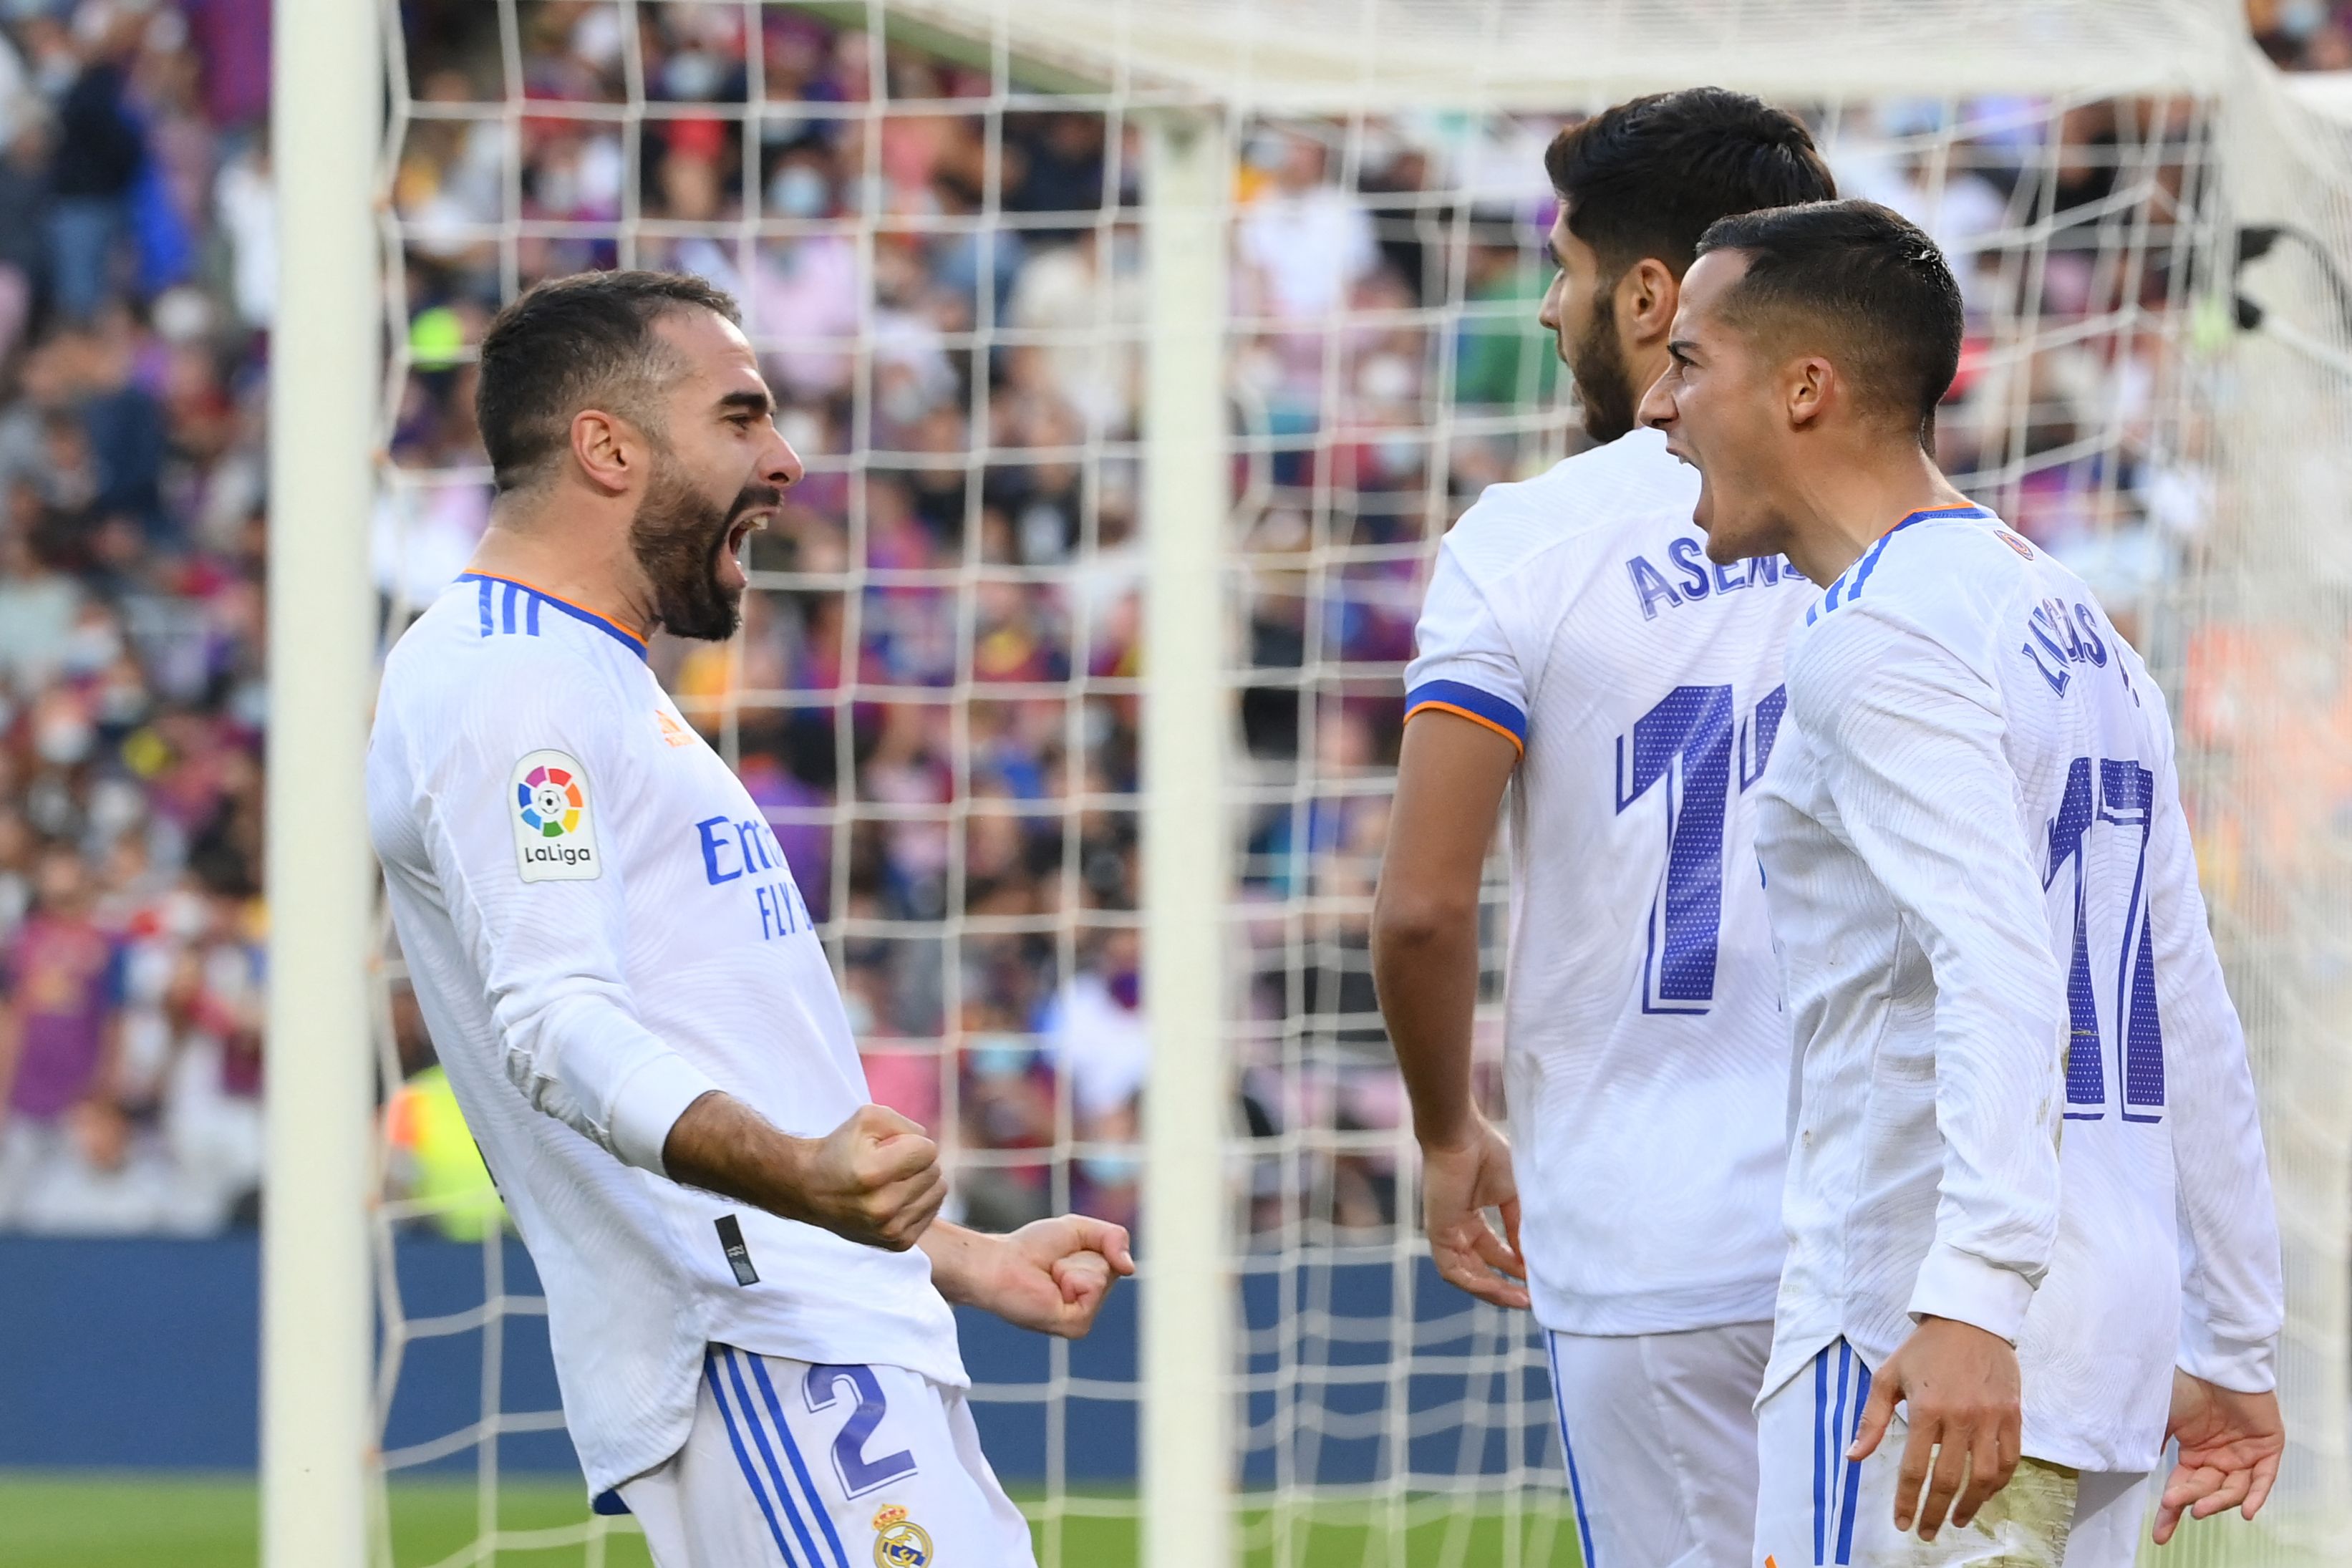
1682 749
859 1474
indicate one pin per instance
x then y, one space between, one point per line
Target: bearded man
747 1285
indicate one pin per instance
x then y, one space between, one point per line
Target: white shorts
1813 1508
826 1467
1660 1437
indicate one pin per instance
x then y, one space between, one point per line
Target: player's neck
566 563
1841 509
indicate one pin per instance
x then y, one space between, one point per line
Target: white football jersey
601 928
1647 1060
2023 1097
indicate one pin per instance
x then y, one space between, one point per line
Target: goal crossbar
1340 56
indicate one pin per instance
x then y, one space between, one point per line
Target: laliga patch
899 1541
554 825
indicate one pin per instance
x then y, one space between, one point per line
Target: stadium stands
135 285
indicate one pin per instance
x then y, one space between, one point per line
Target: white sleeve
1464 664
2233 1295
548 937
1912 748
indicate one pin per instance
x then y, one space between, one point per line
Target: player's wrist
1456 1133
965 1264
795 1177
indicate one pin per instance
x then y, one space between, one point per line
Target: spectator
1305 241
99 154
1094 1035
57 1038
38 605
934 694
23 256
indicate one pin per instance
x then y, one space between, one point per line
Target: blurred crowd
2303 35
135 246
936 693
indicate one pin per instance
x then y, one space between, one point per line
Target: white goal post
318 1338
1248 1366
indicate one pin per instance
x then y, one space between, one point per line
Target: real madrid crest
899 1541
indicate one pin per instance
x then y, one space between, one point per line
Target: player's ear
1647 294
1806 384
607 449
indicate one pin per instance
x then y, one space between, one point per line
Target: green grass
78 1520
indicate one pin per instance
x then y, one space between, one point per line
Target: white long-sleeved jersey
2021 1097
1646 1060
601 928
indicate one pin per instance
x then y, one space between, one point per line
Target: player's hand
1054 1275
2230 1450
1458 1185
875 1179
1960 1387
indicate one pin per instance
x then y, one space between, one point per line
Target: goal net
987 253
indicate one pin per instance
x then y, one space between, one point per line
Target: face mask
2301 18
995 1058
798 191
1396 455
1110 1170
692 75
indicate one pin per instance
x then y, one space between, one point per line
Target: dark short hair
1868 281
582 342
1646 177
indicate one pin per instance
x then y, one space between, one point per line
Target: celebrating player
2025 1152
625 986
1574 639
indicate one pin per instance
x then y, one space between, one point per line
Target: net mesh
930 213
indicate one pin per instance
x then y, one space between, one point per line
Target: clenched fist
873 1179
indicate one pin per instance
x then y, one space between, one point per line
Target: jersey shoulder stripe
1466 701
507 607
1850 583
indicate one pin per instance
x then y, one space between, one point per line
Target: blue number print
1765 728
859 1474
2087 1082
2125 795
1691 726
2126 798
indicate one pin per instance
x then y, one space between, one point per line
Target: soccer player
747 1288
2026 1198
1577 647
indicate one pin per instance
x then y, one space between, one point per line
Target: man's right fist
875 1179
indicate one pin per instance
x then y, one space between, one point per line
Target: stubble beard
1602 385
679 536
